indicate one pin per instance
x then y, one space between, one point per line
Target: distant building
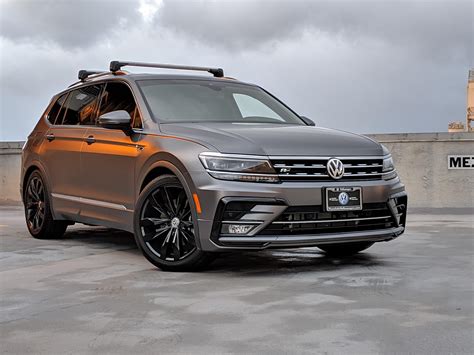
469 126
456 127
470 102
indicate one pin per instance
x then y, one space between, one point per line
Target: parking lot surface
93 292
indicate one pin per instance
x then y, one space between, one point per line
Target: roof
148 76
143 76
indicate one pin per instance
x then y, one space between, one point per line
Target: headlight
388 164
388 169
237 167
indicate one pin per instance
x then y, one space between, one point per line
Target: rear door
61 150
108 162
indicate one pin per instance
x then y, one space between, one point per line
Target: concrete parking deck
93 292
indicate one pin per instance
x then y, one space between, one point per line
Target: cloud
242 25
70 24
370 67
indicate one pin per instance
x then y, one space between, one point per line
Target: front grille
274 218
314 169
313 220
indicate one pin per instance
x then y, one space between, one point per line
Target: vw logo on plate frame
343 198
335 168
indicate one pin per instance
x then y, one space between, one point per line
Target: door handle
90 140
50 137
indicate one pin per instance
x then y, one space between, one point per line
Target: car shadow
99 236
289 261
265 262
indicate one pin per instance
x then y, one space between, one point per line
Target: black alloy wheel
35 204
39 219
166 223
164 226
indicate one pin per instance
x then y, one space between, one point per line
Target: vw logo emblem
343 198
335 168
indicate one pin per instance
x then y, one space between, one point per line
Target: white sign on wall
460 161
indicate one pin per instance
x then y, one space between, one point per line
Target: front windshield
213 101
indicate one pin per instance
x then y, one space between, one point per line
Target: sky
363 66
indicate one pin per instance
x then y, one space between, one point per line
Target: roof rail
117 65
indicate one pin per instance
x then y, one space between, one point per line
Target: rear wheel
345 249
39 219
164 227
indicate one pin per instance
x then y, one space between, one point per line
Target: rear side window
56 111
118 96
81 106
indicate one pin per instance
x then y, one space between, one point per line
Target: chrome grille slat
314 168
300 166
331 220
351 166
325 175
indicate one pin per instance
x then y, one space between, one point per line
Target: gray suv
197 165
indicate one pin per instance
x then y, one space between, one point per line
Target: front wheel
345 249
164 226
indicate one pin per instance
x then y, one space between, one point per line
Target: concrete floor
93 292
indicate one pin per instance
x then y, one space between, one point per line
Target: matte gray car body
95 174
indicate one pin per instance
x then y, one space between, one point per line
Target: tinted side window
81 106
117 96
55 111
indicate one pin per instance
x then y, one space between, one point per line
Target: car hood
274 139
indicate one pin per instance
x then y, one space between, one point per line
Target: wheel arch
36 165
169 164
159 164
153 174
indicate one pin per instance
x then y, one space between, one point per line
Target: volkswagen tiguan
200 165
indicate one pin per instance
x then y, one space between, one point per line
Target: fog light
236 228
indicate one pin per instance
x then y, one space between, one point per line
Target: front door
108 163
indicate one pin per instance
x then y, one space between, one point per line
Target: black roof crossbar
117 65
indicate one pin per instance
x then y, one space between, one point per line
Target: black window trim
64 113
103 84
52 103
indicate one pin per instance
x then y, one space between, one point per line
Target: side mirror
308 121
119 119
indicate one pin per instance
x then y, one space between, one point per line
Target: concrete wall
420 158
10 162
421 161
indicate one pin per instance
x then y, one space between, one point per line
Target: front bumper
291 241
213 194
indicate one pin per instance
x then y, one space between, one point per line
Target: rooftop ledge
423 137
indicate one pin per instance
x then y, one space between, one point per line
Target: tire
345 249
39 220
164 227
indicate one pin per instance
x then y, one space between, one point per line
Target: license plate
343 198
